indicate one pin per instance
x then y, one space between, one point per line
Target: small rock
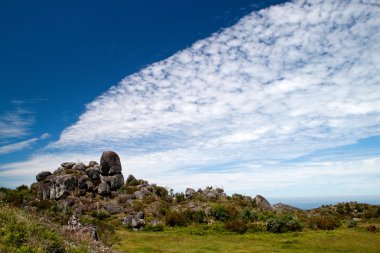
79 166
131 180
139 195
93 172
67 165
189 192
211 195
42 175
92 164
138 224
104 189
115 181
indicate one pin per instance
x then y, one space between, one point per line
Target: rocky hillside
94 199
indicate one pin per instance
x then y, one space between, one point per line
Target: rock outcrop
262 203
78 179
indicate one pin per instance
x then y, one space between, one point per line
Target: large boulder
115 181
62 186
262 203
110 163
43 175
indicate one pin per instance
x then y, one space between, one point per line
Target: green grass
339 240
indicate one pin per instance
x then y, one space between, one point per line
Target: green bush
248 215
283 224
219 212
198 216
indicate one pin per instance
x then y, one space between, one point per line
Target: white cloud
281 83
6 149
15 123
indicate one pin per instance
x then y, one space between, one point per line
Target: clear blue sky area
55 57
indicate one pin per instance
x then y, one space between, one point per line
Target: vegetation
206 221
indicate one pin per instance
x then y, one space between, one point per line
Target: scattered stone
110 163
42 175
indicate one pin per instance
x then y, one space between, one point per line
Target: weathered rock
131 180
138 224
139 194
67 165
113 208
42 175
93 173
211 195
104 189
115 181
79 166
62 186
283 208
189 192
154 223
110 163
140 215
59 170
92 164
262 203
82 182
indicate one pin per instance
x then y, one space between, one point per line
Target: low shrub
176 218
324 222
219 212
254 227
156 228
237 226
100 214
283 224
352 223
371 228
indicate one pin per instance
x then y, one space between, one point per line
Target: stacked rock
77 178
110 168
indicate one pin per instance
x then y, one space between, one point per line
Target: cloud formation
281 83
6 149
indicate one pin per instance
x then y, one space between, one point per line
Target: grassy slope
339 240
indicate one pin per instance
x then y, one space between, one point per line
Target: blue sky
257 97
